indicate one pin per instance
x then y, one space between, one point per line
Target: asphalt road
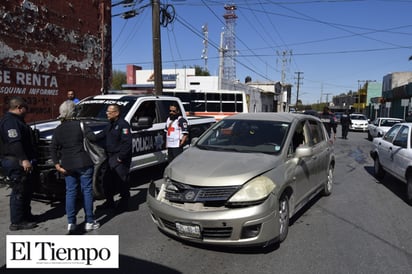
363 227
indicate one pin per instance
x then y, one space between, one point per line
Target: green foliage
201 72
118 79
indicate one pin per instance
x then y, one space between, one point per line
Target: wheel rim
329 184
283 216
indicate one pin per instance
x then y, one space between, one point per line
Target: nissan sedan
243 179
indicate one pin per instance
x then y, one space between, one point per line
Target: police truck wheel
98 175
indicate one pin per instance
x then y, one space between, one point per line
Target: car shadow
270 247
396 186
127 264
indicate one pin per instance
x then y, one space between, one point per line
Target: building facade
49 47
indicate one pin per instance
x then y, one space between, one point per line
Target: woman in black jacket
71 160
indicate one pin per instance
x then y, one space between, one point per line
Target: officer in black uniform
328 121
345 123
119 152
18 157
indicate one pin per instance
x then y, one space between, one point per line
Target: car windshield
245 136
389 122
358 117
96 108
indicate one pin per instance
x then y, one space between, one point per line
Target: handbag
96 153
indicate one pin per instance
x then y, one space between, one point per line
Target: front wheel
283 218
327 190
379 172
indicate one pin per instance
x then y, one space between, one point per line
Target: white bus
218 103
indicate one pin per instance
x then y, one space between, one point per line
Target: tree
201 72
118 79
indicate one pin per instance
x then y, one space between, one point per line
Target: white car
392 153
359 122
381 125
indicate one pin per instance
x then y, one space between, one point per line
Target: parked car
392 153
311 112
338 115
380 126
243 179
359 122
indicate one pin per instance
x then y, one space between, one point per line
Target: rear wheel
409 189
370 138
379 172
283 217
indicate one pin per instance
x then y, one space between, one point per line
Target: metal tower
229 44
205 43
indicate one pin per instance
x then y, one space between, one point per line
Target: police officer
329 121
176 132
345 123
18 156
119 152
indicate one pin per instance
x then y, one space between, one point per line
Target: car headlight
255 190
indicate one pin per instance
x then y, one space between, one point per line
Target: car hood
219 168
359 121
46 128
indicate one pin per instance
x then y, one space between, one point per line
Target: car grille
207 232
182 193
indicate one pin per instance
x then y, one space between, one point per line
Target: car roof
272 116
390 118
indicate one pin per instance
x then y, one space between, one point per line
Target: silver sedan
241 181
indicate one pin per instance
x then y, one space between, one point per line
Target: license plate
188 230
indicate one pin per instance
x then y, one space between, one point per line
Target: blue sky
334 44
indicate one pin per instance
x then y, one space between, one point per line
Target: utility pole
297 88
286 59
157 51
327 98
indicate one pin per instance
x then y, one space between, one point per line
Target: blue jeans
84 177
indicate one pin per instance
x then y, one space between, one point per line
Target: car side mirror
303 151
142 123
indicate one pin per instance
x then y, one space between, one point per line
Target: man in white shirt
176 133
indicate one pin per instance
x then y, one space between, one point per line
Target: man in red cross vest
176 132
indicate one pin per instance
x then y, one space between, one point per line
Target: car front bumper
358 127
245 226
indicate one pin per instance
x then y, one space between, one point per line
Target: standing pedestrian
71 160
329 121
18 158
345 122
176 133
72 97
119 152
